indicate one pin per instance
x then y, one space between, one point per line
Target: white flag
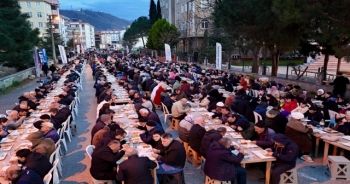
218 56
167 52
82 49
62 53
127 49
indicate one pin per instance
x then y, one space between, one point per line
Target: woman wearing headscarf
320 95
203 100
274 92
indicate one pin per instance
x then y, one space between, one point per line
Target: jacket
98 126
260 109
184 130
98 135
219 164
289 106
131 169
154 117
41 145
177 109
249 133
168 102
287 154
265 139
240 105
38 163
52 134
174 155
196 135
204 102
209 137
278 124
181 95
299 134
103 161
28 176
147 137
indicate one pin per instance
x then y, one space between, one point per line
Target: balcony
54 21
54 12
56 31
53 2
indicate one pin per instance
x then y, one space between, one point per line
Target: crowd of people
34 160
280 130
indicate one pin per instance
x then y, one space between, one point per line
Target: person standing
45 69
340 83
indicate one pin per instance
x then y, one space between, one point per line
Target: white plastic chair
47 178
89 150
2 116
56 155
63 139
257 117
166 112
54 173
67 131
8 112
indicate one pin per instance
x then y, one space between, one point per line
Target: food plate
262 154
133 116
8 139
245 142
136 140
119 116
135 134
6 147
346 137
209 114
235 135
24 136
22 146
17 132
250 145
3 155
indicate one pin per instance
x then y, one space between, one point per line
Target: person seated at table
196 134
103 160
104 109
271 100
40 144
203 100
48 130
222 165
61 109
343 123
151 127
246 129
265 135
297 91
290 103
47 118
146 102
232 120
14 120
185 126
300 135
179 94
241 102
209 137
22 106
118 135
329 104
104 94
315 115
33 103
225 112
191 91
286 153
274 92
169 101
108 100
104 120
34 161
150 115
178 110
58 116
303 108
157 140
24 97
16 175
141 124
320 95
172 158
106 129
131 169
136 98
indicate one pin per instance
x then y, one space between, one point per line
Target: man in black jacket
209 137
103 161
172 158
130 170
196 134
34 161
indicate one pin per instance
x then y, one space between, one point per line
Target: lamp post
52 39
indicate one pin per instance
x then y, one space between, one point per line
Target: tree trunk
256 58
275 60
325 66
143 42
338 64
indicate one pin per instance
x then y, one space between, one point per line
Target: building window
28 4
41 24
29 14
39 14
177 1
185 7
37 4
166 5
182 26
31 24
177 16
204 24
205 4
182 8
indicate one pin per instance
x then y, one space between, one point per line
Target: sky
125 9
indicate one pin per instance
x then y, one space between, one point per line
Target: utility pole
52 39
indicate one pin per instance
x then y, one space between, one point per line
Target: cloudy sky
126 9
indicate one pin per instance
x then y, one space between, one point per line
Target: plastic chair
89 150
54 173
166 112
332 121
47 178
8 112
67 131
63 139
257 116
56 155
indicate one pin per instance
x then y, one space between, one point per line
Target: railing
19 76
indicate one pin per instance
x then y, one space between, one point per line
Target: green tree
140 28
159 10
46 40
162 32
70 43
152 12
129 38
17 37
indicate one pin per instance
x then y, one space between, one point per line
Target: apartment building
110 39
82 33
39 12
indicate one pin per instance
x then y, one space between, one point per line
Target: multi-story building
110 39
168 10
39 13
82 33
63 26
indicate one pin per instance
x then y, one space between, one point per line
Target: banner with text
36 62
78 49
218 56
63 54
167 52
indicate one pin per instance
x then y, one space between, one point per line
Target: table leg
325 153
268 172
243 165
316 146
335 149
341 152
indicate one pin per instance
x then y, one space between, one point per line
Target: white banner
127 49
63 54
82 49
36 62
218 56
78 49
167 52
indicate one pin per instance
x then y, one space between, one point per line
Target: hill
100 20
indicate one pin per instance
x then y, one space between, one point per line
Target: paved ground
76 164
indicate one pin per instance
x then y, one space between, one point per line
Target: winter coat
220 161
265 139
38 163
28 176
260 109
278 124
289 106
249 132
52 134
299 134
174 155
196 135
240 105
147 137
41 145
287 154
209 137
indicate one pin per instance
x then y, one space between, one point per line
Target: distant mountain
100 20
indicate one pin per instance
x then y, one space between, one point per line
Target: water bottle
322 123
